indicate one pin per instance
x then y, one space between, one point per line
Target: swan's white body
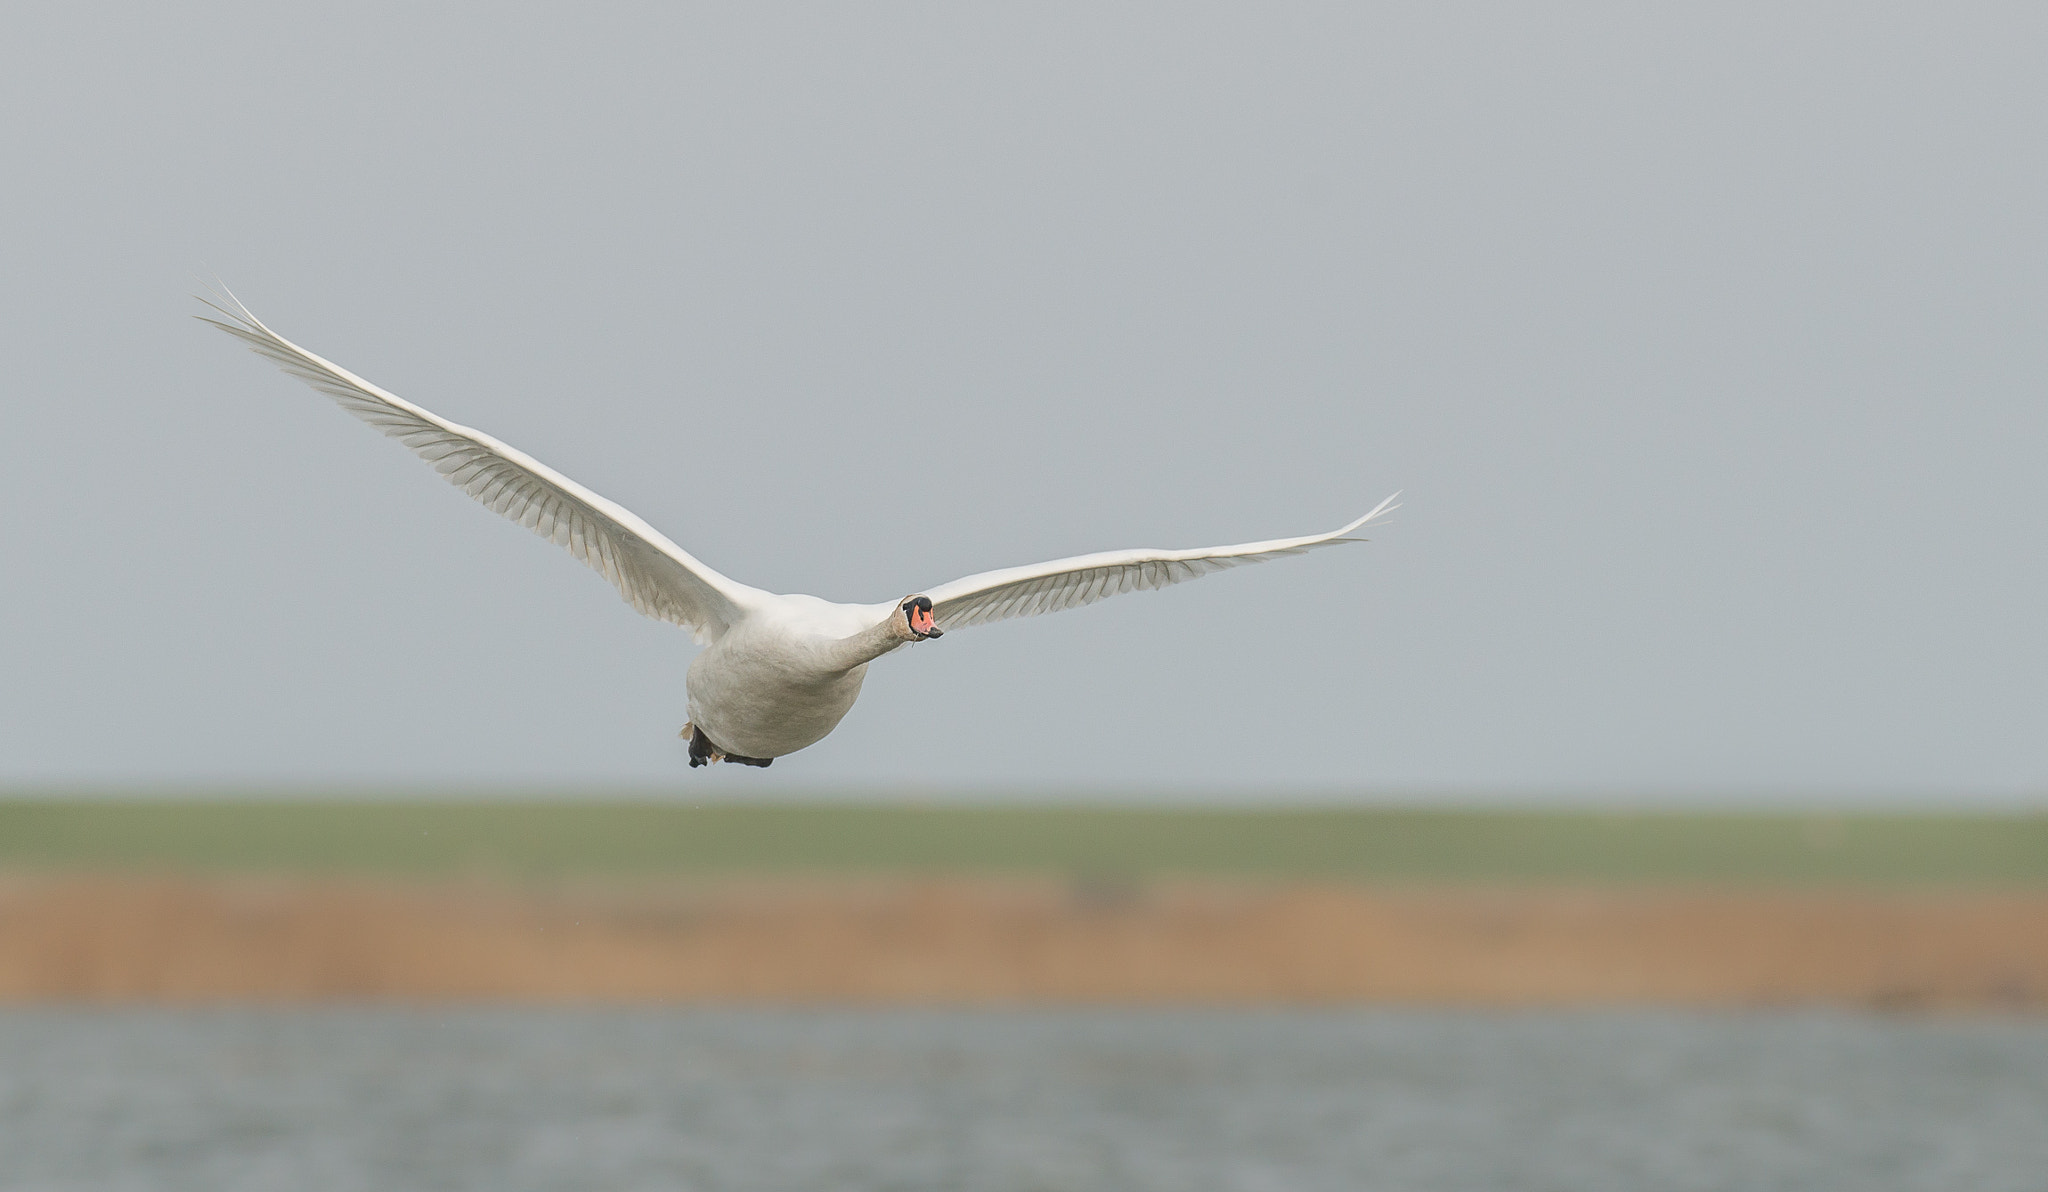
780 671
787 673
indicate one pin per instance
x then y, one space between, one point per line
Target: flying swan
780 671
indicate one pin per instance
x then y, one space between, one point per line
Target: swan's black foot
703 752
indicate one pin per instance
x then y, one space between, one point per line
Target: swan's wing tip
223 301
1378 511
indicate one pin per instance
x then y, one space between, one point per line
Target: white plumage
780 671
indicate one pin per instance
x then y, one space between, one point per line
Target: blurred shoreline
517 901
965 940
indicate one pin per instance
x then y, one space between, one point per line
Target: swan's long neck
869 644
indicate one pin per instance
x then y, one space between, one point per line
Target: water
395 1100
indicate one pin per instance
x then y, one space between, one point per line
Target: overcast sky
1707 343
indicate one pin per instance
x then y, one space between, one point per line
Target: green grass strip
533 839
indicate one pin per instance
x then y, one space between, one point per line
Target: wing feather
1085 579
652 573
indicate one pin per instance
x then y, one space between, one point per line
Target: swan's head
917 618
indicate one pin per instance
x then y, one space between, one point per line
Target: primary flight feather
779 671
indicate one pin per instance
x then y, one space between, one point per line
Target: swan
779 671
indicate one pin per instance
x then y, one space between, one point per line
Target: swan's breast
762 691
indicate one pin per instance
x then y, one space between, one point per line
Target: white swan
780 671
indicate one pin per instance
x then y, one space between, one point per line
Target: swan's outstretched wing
1085 579
654 574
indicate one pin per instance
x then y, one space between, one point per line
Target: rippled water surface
389 1100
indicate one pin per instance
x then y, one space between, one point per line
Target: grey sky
1707 345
